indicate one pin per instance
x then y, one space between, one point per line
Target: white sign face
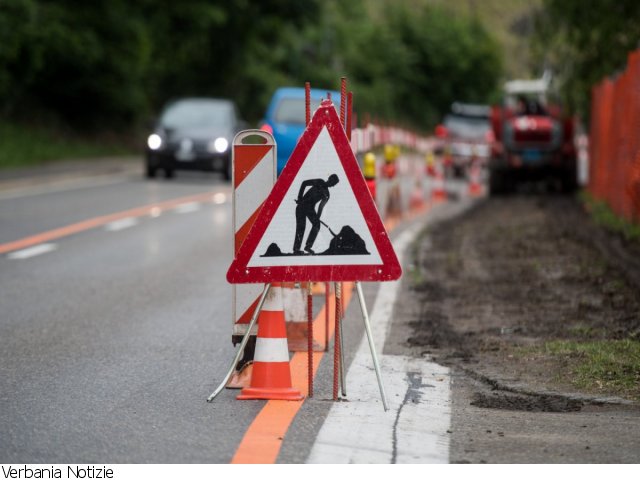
319 221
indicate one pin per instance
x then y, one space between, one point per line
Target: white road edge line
32 251
121 224
415 428
187 207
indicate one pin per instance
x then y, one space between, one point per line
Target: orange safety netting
615 141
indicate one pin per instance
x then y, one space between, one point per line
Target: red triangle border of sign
390 269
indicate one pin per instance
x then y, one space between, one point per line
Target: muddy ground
513 273
519 271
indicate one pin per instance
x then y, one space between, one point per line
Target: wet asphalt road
113 339
111 342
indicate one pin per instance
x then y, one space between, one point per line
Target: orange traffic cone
475 188
295 315
297 338
318 288
416 200
241 378
438 192
271 376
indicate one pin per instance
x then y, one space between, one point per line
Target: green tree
452 58
82 61
111 63
582 42
407 64
17 64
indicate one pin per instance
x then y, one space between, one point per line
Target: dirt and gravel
487 288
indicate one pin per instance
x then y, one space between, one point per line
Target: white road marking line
415 428
187 207
121 224
219 198
32 251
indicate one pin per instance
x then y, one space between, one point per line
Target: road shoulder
502 279
416 428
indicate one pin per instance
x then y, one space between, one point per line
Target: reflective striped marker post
254 173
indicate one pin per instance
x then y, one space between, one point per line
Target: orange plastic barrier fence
615 141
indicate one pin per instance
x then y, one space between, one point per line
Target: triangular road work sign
319 223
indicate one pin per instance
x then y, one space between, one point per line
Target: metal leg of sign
343 383
372 347
327 313
243 343
337 344
310 339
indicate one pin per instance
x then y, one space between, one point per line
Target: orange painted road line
100 221
263 439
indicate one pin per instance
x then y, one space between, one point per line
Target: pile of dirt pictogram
347 242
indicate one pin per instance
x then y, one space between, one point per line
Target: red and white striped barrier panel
254 173
366 138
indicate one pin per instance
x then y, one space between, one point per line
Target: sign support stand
327 296
243 343
372 347
310 339
343 385
360 251
337 344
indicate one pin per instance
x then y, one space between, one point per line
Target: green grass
26 146
606 218
611 366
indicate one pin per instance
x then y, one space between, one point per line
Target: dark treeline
113 63
583 42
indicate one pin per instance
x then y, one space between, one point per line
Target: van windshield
291 110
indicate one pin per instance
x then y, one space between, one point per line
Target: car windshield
473 128
196 113
291 110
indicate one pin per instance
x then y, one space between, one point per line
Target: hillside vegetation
114 63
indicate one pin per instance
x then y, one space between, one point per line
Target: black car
193 134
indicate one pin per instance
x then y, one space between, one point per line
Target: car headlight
154 141
219 145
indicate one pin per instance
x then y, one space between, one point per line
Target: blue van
285 117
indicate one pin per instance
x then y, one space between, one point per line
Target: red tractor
533 139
